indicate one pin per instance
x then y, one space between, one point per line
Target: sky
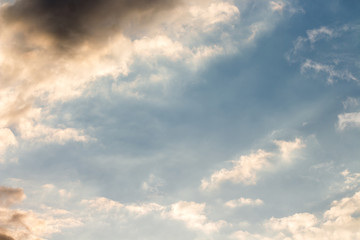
178 119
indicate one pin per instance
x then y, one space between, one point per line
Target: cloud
287 148
350 103
5 237
284 5
348 120
244 202
67 25
352 180
277 6
152 186
143 209
316 34
246 168
243 235
105 205
338 63
102 204
296 223
7 140
28 225
341 221
216 12
330 70
10 196
193 215
30 130
51 52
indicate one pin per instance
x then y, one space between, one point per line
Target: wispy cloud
352 180
330 70
336 64
348 120
351 103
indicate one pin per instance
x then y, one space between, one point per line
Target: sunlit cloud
241 202
193 215
28 225
247 167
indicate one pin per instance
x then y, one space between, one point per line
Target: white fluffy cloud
341 221
287 148
244 202
192 214
246 168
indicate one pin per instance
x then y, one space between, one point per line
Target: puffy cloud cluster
341 221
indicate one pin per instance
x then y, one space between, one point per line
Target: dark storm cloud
69 23
5 237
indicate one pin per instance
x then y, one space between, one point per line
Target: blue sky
216 119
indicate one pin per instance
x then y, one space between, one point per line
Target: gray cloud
70 23
11 218
9 196
5 237
26 224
